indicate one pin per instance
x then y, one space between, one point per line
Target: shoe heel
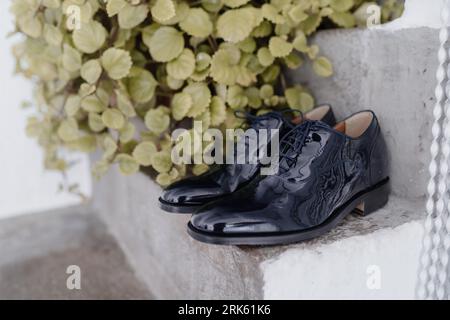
374 200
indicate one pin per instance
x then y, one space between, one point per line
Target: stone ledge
178 267
37 249
35 235
382 264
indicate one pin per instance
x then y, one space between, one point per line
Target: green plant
164 63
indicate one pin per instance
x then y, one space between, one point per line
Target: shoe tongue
271 122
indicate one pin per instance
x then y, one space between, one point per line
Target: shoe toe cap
230 223
183 193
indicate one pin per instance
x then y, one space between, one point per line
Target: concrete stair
371 257
37 250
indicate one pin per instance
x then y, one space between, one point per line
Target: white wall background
24 185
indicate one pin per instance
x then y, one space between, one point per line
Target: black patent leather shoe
187 195
325 173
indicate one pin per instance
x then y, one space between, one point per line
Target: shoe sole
371 200
174 208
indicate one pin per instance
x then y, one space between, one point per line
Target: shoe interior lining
356 125
315 114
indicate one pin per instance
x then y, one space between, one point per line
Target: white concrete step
332 266
36 251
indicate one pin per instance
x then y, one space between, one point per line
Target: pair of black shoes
326 171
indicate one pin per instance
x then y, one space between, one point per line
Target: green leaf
126 134
95 122
124 104
131 16
297 14
271 13
248 45
224 65
181 11
236 97
341 5
93 103
311 23
109 146
113 7
197 23
181 104
157 120
71 59
143 153
281 4
30 25
279 47
300 43
182 67
166 44
90 37
164 179
234 3
293 61
271 73
127 164
313 51
323 67
91 71
113 119
264 29
201 98
174 84
236 25
162 161
68 130
254 100
86 89
343 19
203 61
53 4
53 35
117 63
266 91
72 105
142 85
218 111
87 143
265 58
298 99
163 10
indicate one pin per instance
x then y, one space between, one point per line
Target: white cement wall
418 13
24 185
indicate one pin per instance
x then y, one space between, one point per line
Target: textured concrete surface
378 265
37 234
177 267
393 73
163 255
36 251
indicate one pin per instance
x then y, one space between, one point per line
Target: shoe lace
293 142
254 122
